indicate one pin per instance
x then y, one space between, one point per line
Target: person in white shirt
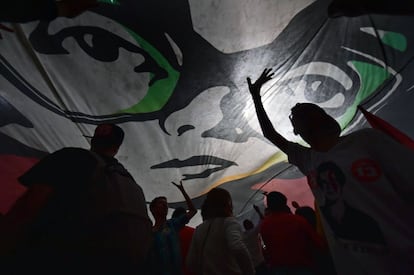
365 177
217 247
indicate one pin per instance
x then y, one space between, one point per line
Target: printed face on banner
182 100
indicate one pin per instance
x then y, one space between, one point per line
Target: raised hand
191 209
255 87
267 128
179 186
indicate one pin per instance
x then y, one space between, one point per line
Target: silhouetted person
186 235
305 211
166 234
371 185
217 246
323 259
82 213
290 240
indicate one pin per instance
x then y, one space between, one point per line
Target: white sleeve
299 156
237 246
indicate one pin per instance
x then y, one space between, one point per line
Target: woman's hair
216 204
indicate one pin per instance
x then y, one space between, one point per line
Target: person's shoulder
371 137
360 135
65 155
282 217
201 225
295 145
226 222
72 152
298 219
366 132
296 151
63 165
181 220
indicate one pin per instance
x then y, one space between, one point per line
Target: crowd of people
84 213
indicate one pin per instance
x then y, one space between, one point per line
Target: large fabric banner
173 75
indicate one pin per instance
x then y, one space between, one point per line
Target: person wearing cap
82 213
371 184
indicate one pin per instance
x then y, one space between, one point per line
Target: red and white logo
366 170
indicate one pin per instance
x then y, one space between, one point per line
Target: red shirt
186 235
290 240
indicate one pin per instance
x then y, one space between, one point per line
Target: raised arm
191 209
267 128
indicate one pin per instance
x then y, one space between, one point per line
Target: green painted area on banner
372 77
160 91
395 40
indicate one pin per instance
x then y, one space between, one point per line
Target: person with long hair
217 246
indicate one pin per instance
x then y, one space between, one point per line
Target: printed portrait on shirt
345 221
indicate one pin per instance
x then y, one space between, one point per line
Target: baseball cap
107 134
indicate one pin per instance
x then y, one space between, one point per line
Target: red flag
384 126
